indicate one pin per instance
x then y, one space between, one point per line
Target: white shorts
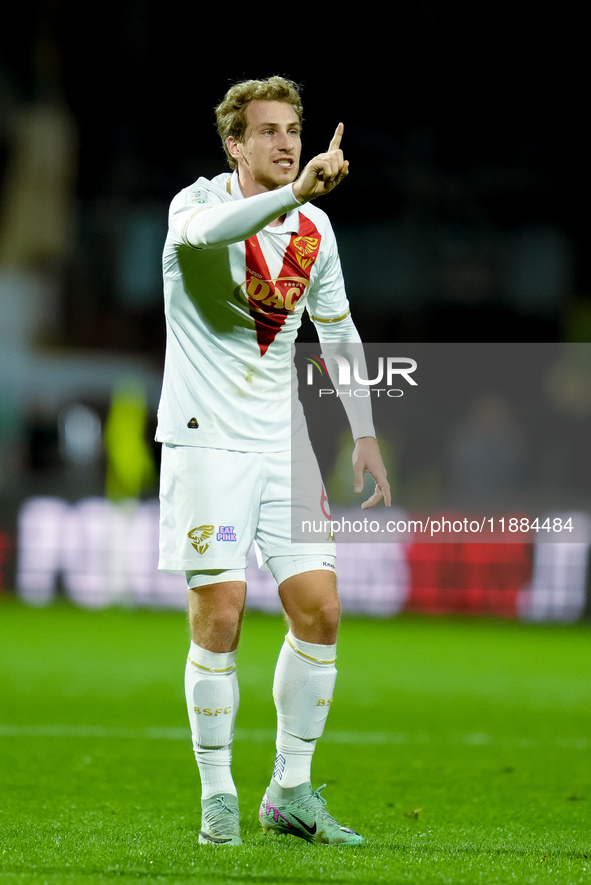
215 503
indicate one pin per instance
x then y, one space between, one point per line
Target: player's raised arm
323 172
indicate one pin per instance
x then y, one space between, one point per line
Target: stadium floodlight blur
80 434
514 448
99 553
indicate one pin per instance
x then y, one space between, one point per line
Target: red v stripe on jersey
270 301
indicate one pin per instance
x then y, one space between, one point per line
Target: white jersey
235 290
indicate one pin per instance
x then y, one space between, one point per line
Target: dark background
465 214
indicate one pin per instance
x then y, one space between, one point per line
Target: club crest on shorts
200 536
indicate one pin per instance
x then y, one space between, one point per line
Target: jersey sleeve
203 219
327 299
329 310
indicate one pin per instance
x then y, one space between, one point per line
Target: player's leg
303 687
305 575
202 491
211 684
212 694
311 601
216 608
305 673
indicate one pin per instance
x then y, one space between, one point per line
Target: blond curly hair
231 112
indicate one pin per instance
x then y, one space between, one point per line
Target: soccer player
245 254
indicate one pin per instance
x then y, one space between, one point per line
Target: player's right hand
323 172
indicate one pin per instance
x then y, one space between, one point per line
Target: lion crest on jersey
272 300
200 536
304 247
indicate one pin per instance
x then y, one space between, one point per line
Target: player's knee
314 617
328 613
221 619
215 612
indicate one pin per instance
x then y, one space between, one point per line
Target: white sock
302 689
211 690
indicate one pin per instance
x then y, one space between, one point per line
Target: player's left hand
368 459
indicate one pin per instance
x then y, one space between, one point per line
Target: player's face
269 155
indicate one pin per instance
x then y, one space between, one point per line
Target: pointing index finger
336 139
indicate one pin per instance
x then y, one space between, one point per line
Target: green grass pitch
459 748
